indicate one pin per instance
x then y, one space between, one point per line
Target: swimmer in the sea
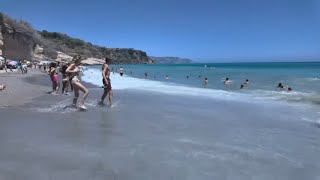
242 86
145 74
187 77
121 71
74 70
206 82
227 81
280 86
289 89
167 77
247 81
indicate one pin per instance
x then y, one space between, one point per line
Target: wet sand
152 136
22 88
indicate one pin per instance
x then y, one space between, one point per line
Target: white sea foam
93 76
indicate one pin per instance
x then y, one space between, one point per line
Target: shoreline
150 135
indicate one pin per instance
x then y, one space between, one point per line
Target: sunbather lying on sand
2 86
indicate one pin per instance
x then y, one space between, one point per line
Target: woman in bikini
74 70
51 72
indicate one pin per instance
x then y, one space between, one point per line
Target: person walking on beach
106 82
74 70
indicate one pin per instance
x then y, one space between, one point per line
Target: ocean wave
93 76
126 82
311 79
294 96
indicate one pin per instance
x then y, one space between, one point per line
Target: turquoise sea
303 78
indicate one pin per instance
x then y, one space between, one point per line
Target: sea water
172 128
303 78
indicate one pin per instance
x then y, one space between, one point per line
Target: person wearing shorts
106 83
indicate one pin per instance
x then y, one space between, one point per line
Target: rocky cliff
18 41
171 60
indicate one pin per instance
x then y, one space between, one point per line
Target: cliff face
171 60
19 41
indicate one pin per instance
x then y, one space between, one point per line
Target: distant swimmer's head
227 79
289 89
205 78
242 86
107 60
76 59
280 85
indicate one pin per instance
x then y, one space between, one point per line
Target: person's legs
53 85
110 97
81 87
2 86
63 86
57 86
76 96
105 93
71 85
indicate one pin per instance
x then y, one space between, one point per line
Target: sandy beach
22 88
148 136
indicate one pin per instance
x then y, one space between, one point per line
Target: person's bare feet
2 87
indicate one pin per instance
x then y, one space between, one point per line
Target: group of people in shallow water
71 77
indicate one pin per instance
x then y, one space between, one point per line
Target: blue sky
204 30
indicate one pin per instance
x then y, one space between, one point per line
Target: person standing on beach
106 82
121 71
65 79
54 79
206 82
74 70
19 67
